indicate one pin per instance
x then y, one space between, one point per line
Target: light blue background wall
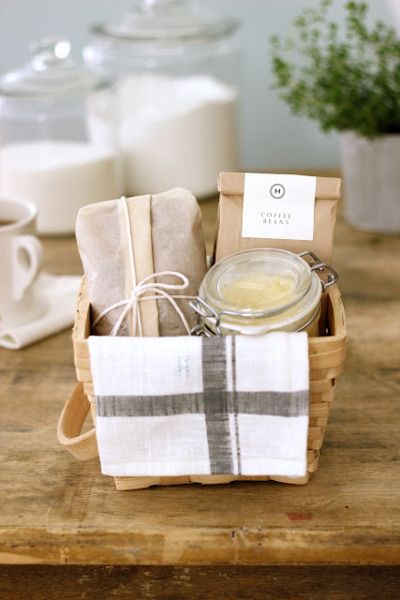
271 137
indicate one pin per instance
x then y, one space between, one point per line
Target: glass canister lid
51 72
167 25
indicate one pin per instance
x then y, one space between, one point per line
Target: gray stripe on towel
280 404
216 407
150 406
236 407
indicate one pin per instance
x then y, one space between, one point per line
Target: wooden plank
56 510
199 583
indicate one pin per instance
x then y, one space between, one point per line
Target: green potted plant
348 79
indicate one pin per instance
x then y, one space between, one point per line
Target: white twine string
146 286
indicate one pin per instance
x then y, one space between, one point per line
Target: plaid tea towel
199 406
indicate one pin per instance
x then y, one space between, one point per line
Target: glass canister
47 154
177 70
263 290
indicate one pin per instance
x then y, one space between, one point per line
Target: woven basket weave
327 354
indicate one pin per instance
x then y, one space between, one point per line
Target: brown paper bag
230 213
166 235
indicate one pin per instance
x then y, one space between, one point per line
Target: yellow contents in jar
257 291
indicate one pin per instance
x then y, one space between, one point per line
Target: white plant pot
371 177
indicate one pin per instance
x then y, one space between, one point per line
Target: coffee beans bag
291 212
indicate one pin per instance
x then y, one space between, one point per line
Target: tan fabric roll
178 239
167 235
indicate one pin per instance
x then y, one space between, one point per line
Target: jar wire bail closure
209 323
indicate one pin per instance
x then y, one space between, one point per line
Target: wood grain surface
199 583
57 511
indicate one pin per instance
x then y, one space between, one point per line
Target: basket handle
81 445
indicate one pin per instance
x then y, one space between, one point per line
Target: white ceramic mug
20 262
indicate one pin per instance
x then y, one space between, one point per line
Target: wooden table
64 528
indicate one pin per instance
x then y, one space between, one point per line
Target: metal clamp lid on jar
210 319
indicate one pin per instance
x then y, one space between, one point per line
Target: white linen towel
190 405
56 300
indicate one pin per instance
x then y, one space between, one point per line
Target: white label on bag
278 206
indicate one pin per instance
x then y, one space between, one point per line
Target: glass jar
47 154
177 70
262 290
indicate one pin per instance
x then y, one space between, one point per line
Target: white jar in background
177 72
47 154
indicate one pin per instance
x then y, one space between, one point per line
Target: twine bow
140 290
139 293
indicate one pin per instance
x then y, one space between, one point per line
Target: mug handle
28 254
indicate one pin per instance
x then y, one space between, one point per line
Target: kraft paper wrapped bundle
230 217
164 233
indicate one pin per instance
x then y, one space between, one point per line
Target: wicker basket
327 354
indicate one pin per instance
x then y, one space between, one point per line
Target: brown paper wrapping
178 245
230 213
166 235
139 209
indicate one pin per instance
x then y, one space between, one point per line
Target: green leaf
345 80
